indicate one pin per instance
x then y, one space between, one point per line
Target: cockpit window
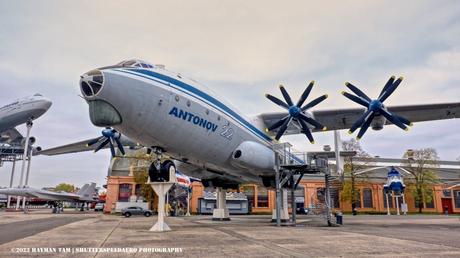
135 63
129 63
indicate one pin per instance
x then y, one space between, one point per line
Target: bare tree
349 191
422 164
140 162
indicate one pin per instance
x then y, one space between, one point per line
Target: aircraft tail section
87 192
83 189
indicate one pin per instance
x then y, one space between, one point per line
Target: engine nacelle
32 140
378 122
253 155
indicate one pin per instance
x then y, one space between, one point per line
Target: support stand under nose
161 188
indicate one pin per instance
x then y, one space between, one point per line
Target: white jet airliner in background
20 112
168 112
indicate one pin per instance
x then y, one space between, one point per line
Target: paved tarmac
244 236
21 229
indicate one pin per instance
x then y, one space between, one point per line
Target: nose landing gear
161 171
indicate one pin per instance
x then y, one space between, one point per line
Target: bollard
339 218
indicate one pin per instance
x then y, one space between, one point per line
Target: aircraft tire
154 175
167 168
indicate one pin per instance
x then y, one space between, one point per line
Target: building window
138 191
390 200
358 198
367 198
248 190
430 205
124 192
262 197
447 193
457 199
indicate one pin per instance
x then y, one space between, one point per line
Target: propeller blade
364 118
388 84
393 119
112 149
357 91
404 120
365 127
120 146
390 89
356 99
305 94
312 122
315 102
283 128
102 145
94 141
278 124
286 96
306 131
277 101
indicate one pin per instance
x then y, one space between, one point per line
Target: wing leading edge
339 119
82 146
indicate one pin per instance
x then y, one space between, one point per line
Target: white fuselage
22 110
161 108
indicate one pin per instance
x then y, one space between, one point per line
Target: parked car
127 212
99 207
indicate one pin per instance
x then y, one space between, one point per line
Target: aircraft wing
344 118
26 192
69 148
11 136
82 146
36 193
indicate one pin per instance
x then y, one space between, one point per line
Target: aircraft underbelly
13 119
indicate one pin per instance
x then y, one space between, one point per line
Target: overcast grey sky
240 49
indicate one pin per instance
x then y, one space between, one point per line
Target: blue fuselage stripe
188 89
209 99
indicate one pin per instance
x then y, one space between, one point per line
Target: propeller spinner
296 112
375 107
109 136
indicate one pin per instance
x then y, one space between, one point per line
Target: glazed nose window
91 83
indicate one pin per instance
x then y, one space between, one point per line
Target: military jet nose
91 83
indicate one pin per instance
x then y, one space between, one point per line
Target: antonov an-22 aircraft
170 113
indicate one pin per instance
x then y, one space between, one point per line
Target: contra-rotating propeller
296 112
375 107
109 136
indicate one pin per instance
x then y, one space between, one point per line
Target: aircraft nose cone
48 104
91 83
